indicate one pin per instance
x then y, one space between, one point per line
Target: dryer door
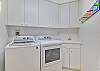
51 55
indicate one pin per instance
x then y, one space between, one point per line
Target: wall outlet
69 38
17 33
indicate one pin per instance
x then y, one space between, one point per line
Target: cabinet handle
71 51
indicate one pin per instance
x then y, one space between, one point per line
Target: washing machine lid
22 45
23 41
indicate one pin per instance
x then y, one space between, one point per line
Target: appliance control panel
23 39
44 37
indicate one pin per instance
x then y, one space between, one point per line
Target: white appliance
22 54
51 59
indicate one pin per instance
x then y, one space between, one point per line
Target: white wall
90 37
3 33
62 33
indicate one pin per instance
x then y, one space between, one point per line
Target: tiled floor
66 70
70 70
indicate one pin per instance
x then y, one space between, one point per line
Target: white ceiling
61 1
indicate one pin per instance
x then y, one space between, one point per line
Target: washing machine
51 59
22 54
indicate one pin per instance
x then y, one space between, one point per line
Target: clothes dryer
51 59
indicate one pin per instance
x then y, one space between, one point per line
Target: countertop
72 42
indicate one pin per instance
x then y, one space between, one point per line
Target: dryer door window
52 55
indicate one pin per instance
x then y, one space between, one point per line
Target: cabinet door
15 12
54 15
75 58
64 15
48 13
31 12
73 14
65 57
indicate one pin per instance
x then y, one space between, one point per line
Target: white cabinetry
75 58
69 14
48 13
65 57
64 15
15 12
73 14
31 12
42 13
71 56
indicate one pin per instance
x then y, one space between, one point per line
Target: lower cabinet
71 57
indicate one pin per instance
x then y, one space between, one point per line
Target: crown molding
60 3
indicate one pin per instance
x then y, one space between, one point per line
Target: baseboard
72 69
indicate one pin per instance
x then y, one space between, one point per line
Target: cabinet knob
36 47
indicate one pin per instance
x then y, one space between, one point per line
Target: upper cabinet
64 15
69 14
15 12
31 12
42 13
73 14
48 13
